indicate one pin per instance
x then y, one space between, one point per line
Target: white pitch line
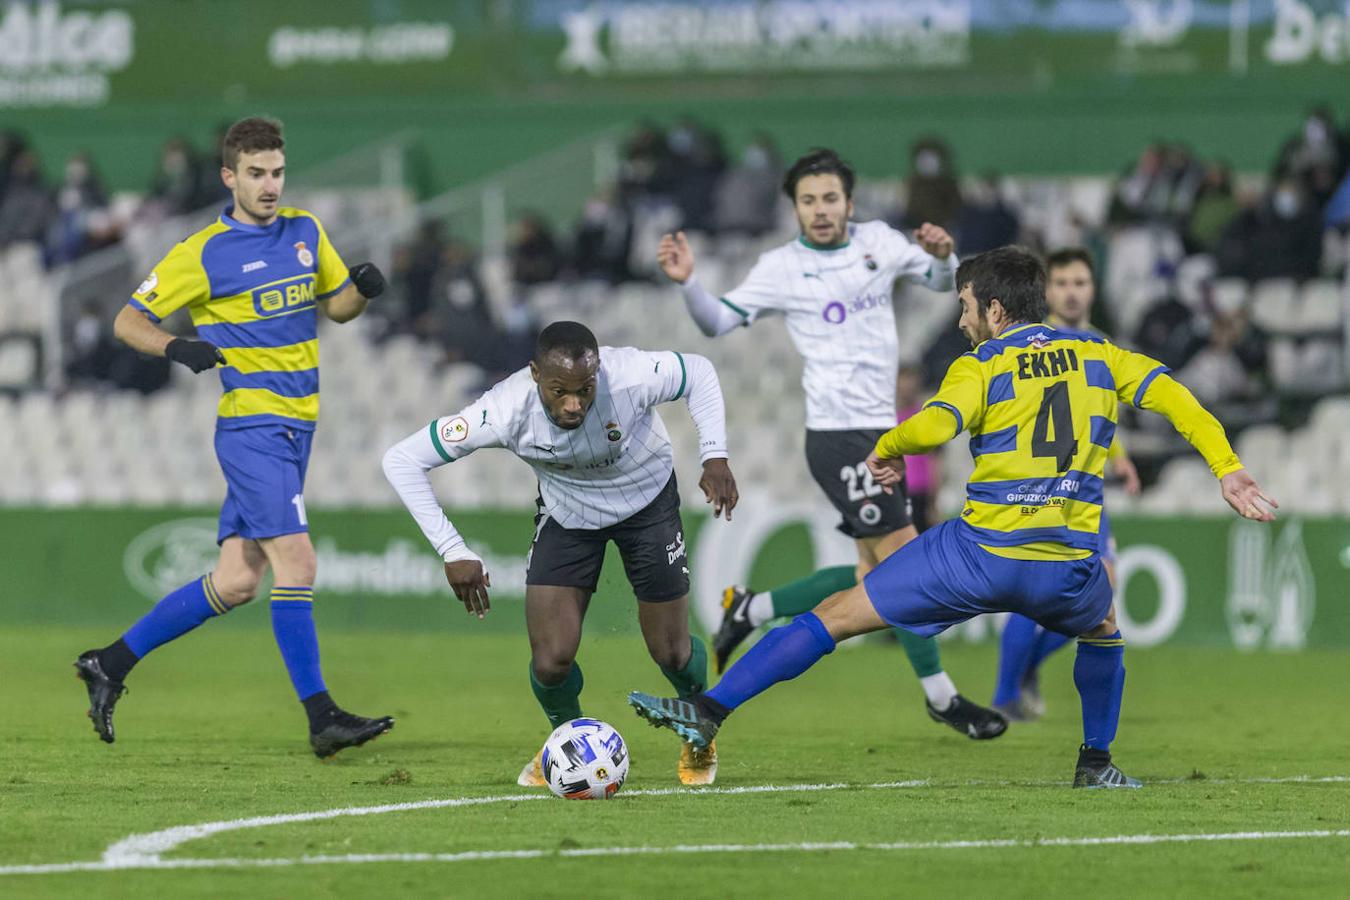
145 850
590 852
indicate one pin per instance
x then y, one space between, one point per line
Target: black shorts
837 463
650 542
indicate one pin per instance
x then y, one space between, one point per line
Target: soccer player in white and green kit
833 286
583 417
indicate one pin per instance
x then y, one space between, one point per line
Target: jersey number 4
1055 415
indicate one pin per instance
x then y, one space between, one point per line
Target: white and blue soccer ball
585 759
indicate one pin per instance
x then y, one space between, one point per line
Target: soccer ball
585 759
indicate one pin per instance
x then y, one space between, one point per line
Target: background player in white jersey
583 417
833 284
1070 291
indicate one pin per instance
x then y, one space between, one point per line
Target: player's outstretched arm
1146 384
367 283
134 328
710 314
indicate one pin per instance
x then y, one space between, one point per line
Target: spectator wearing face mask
932 192
82 222
1317 156
747 196
602 239
1280 237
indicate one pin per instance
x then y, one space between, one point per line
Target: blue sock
1047 642
780 655
175 615
1099 673
293 626
1014 653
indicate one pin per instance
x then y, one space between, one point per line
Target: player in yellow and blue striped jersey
253 281
1041 406
1070 292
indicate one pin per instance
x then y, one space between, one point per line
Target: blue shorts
943 577
264 469
1107 547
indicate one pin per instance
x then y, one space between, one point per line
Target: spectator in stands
986 220
1226 367
27 210
646 166
535 258
602 240
11 145
1169 332
415 270
1318 156
1215 207
1160 187
82 222
460 312
698 160
931 190
179 183
747 196
1280 237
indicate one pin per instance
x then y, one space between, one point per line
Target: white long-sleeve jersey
593 476
837 303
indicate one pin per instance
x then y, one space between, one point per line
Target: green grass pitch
1228 744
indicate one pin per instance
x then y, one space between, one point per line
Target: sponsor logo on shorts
303 254
869 513
675 549
456 430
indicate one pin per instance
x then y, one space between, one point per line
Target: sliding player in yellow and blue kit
253 281
1041 406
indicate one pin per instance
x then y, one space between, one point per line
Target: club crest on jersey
455 430
303 254
612 431
869 262
1039 340
149 284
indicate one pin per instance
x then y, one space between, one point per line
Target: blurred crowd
1193 214
70 214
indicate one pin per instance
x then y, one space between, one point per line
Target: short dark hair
251 135
572 339
1067 256
1011 275
820 161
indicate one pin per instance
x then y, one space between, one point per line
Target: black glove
368 279
196 355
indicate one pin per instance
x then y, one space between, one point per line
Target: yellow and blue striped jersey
252 291
1041 404
1117 448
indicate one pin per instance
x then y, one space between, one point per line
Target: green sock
922 652
805 594
693 678
562 701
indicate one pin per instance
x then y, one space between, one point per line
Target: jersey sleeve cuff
141 307
334 291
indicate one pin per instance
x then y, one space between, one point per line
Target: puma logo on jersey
541 448
255 265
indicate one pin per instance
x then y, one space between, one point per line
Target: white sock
761 609
939 689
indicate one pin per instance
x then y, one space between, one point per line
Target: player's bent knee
848 613
235 592
552 668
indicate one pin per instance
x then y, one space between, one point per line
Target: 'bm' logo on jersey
285 297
